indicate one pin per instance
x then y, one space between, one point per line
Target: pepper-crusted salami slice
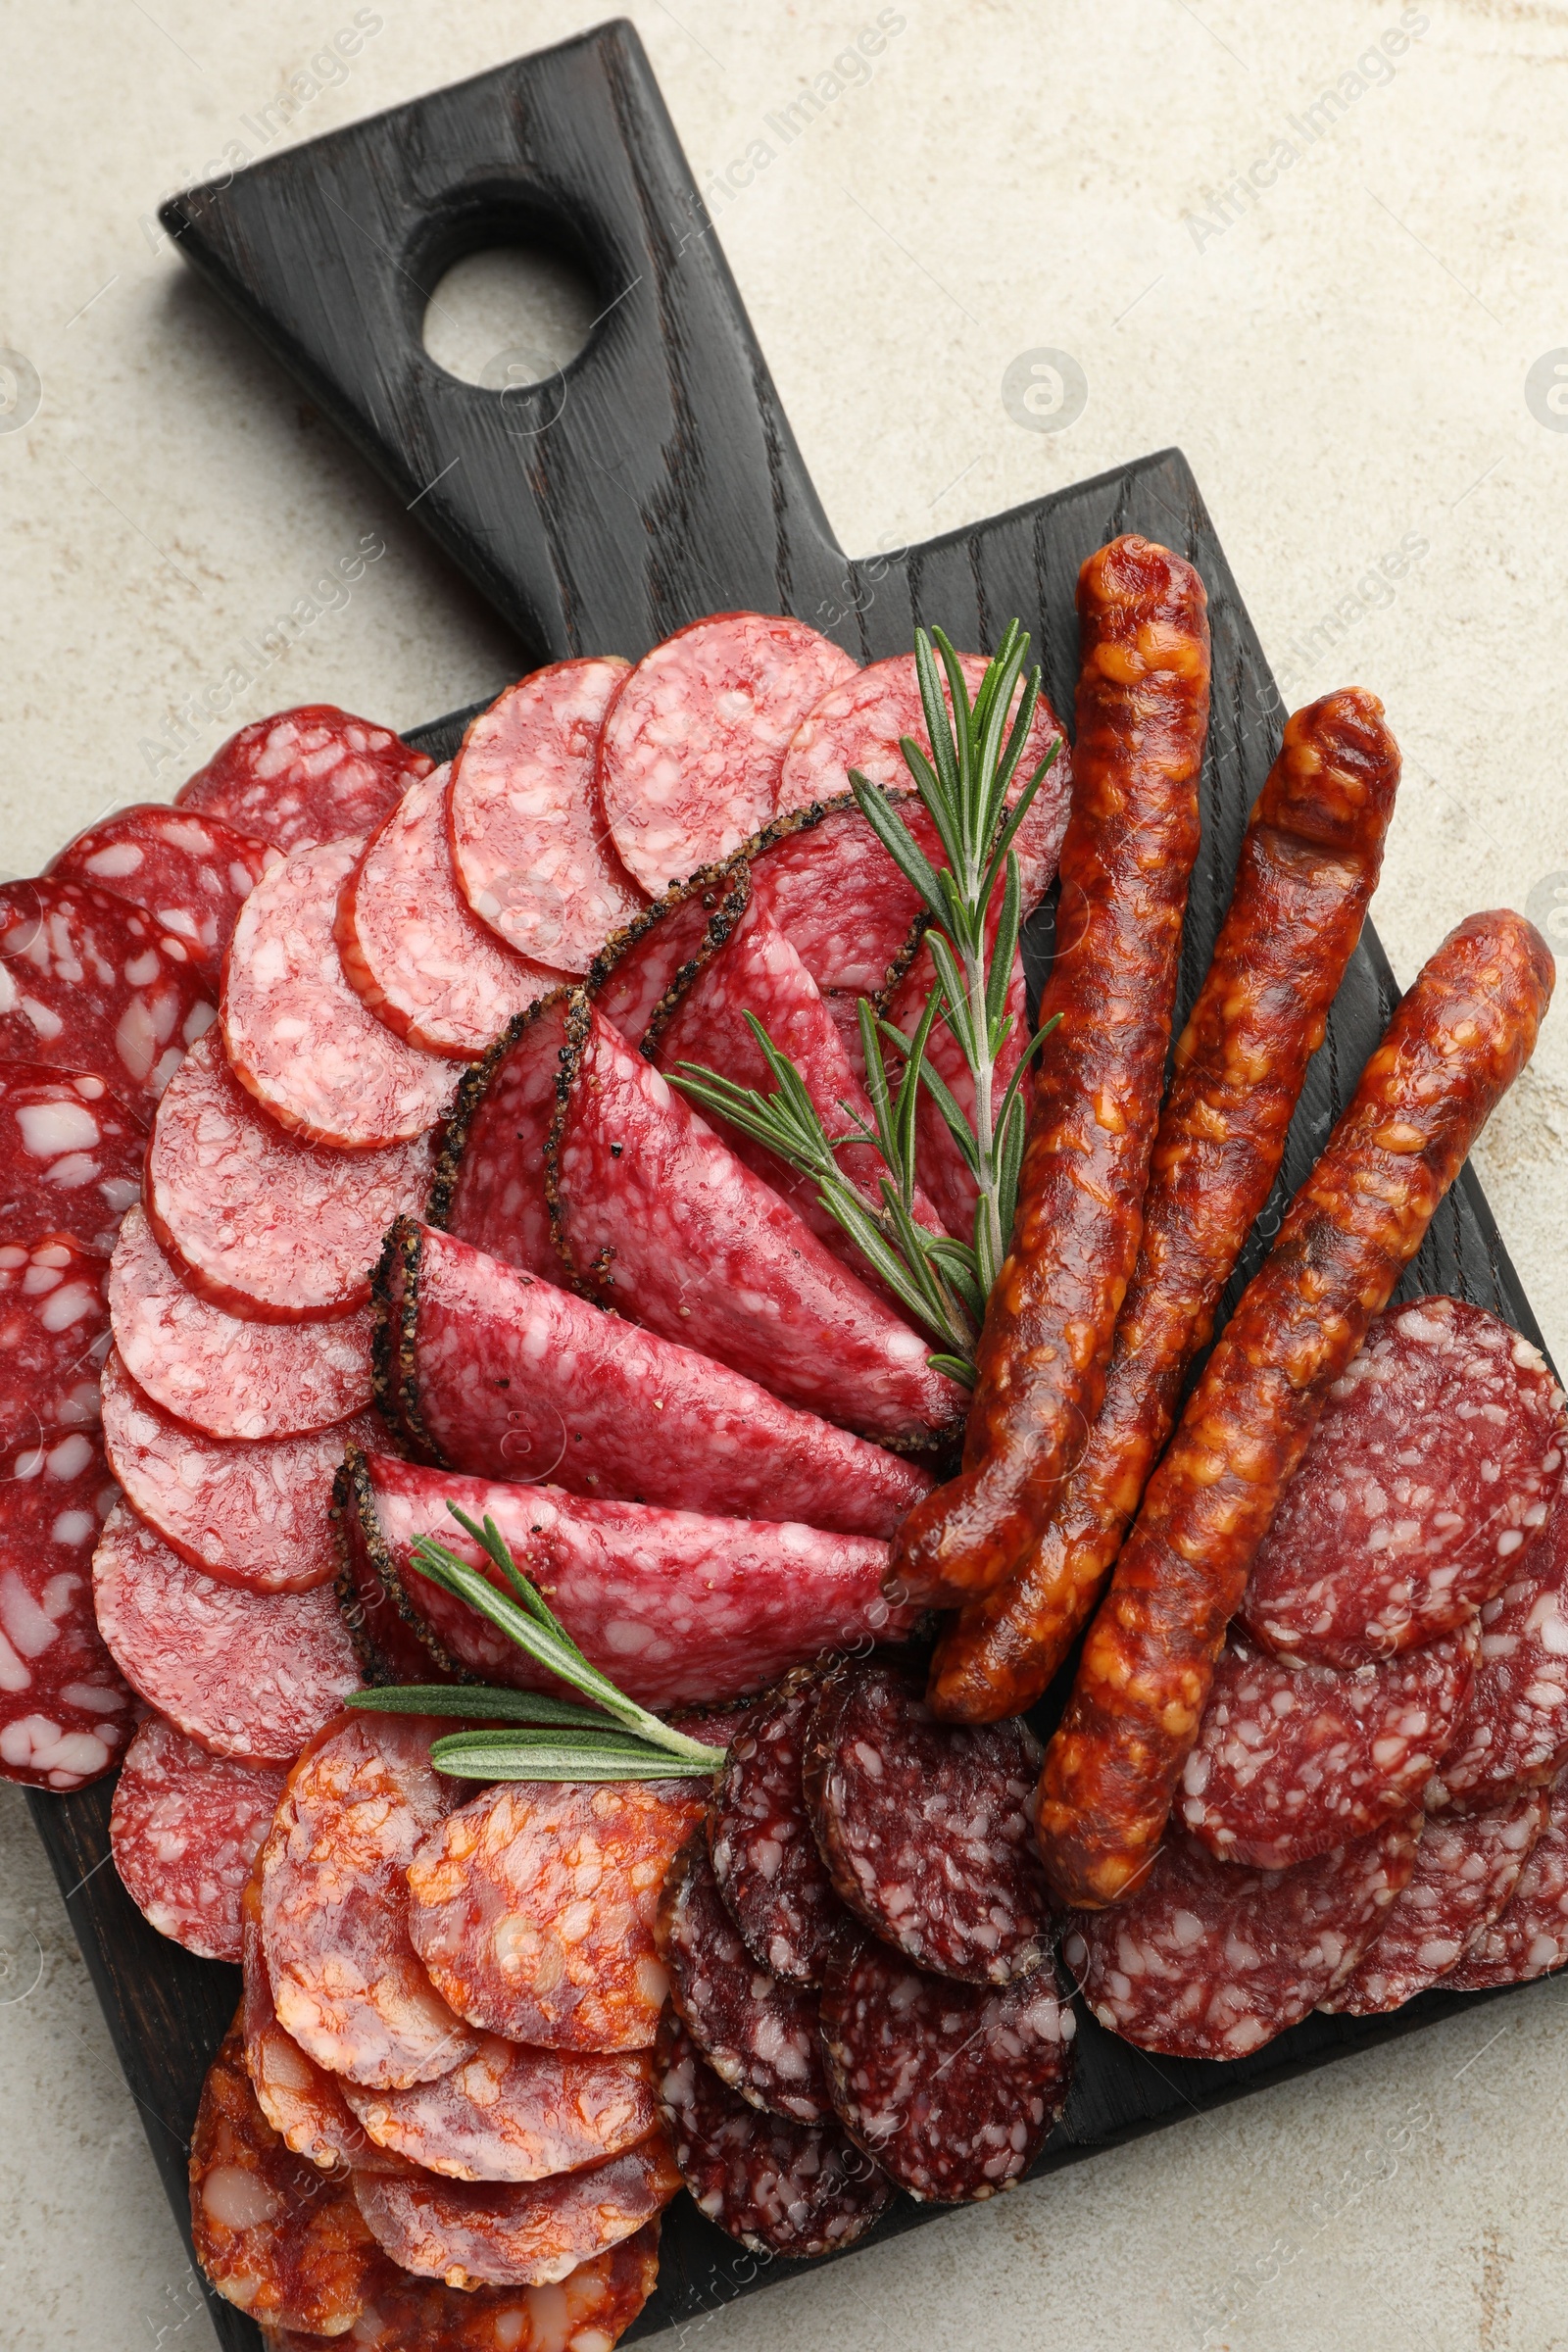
660 954
186 1828
304 2104
514 2114
71 1156
1290 1760
1530 1935
1132 835
590 2309
272 1229
1432 1470
296 1036
305 776
533 1906
582 1399
54 1323
532 852
88 982
780 2188
822 878
759 1837
1454 1045
64 1713
759 2035
386 1643
191 873
473 2233
1513 1732
252 1674
491 1184
926 1828
953 2088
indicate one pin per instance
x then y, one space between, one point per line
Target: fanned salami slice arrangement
186 1828
492 1187
90 983
305 776
191 873
70 1157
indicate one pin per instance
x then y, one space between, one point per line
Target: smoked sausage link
1454 1046
1132 835
1307 871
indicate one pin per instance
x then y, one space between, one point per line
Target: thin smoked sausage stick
1308 870
1454 1046
1132 835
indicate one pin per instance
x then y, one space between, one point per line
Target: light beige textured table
1334 305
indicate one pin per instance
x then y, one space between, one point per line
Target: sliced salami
271 1228
491 1188
1530 1935
533 1907
760 1837
1431 1472
825 880
692 743
953 2088
1513 1732
587 1402
386 1643
191 873
53 1326
528 836
251 1675
71 1156
186 1828
757 2035
296 1036
304 2104
1207 1960
660 953
589 2311
514 2114
1290 1760
89 983
476 2233
927 1828
780 2188
64 1713
305 776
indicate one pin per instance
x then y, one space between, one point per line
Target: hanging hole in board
510 319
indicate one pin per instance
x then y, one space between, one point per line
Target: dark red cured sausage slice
64 1714
663 950
54 1322
1290 1760
926 1828
71 1156
252 1674
1466 1873
88 982
759 1837
305 776
528 837
490 1188
796 2189
473 2233
274 1229
514 2114
692 741
186 1828
589 2311
1432 1470
533 1908
410 945
586 1402
191 873
759 2035
385 1642
1531 1934
953 2088
228 1378
1206 1960
1513 1732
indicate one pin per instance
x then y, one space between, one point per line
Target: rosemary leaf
500 1757
476 1702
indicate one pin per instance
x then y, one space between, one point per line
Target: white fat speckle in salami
1530 1935
476 2234
1513 1732
71 1156
54 1332
508 2113
94 985
1465 1872
760 1836
185 1829
190 872
64 1714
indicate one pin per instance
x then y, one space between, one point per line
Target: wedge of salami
953 2088
476 2233
273 1228
822 878
54 1322
251 1675
780 2188
1433 1468
1206 1960
757 2035
1290 1760
191 873
64 1714
663 950
71 1156
1530 1935
759 1837
89 983
185 1829
927 1828
514 2114
533 1908
491 1184
1513 1732
386 1645
305 776
587 1402
304 2104
589 2311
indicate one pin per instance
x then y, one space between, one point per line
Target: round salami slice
692 743
528 836
272 1229
64 1714
1290 1760
186 1828
411 949
927 1828
53 1326
780 2188
953 2088
490 1188
661 952
191 873
305 776
590 2310
514 2114
1207 1960
1530 1935
532 1907
1432 1470
296 1034
759 2035
1512 1733
88 982
71 1156
760 1837
346 1980
252 1674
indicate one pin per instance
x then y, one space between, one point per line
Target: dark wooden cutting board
654 480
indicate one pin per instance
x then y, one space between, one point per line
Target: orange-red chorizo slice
514 2114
